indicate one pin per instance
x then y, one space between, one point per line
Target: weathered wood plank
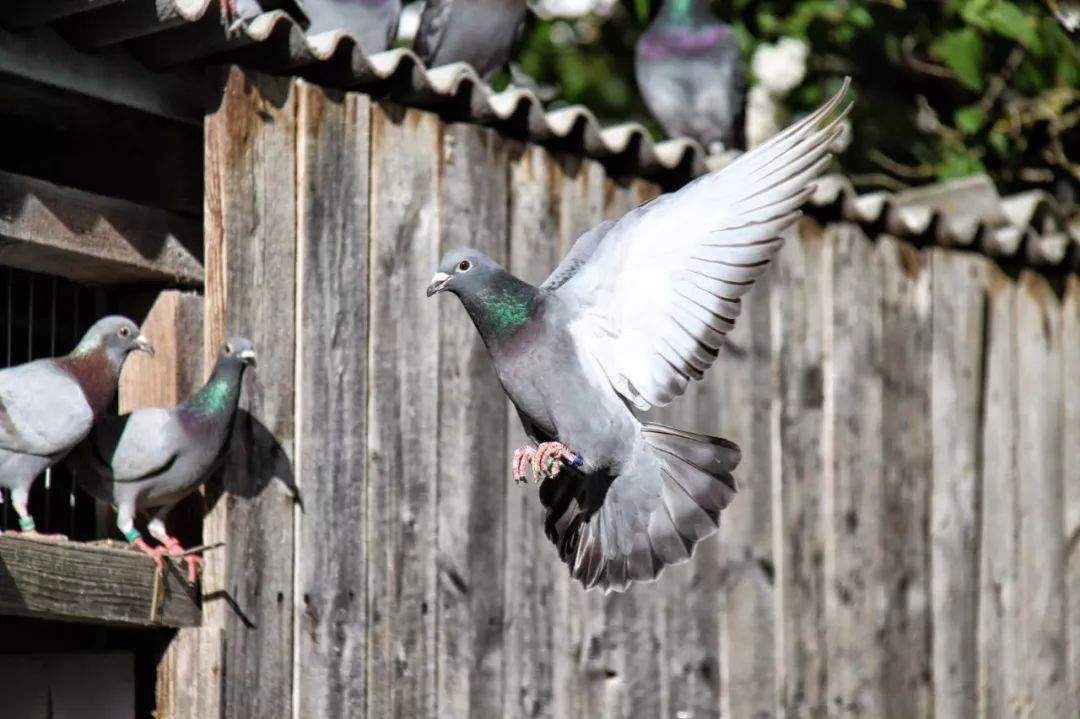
905 427
532 565
998 689
1041 645
332 354
634 650
854 492
403 379
1070 354
956 386
473 471
748 654
250 225
91 584
797 322
94 239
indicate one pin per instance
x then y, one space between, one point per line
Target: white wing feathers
662 287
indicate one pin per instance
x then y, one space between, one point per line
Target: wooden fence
903 542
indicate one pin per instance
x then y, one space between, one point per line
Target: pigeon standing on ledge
637 309
689 70
153 458
48 406
480 32
373 23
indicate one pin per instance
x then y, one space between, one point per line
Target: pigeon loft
900 382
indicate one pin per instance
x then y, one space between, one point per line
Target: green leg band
132 535
26 524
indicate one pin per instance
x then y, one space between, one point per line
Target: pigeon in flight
689 71
373 23
480 32
49 405
637 309
152 458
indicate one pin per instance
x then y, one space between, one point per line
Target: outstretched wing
578 255
661 289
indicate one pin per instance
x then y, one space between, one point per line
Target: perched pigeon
689 71
637 309
152 458
480 32
48 406
373 23
235 13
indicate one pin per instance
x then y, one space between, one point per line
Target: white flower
781 67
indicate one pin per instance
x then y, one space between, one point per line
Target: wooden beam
95 584
93 239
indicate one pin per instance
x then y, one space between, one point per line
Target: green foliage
943 89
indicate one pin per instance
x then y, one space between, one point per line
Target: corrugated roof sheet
1030 227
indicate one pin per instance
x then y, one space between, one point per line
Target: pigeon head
116 336
238 350
464 272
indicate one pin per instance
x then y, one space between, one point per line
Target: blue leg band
132 535
26 524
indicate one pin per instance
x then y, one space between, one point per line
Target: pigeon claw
194 561
549 458
155 553
523 456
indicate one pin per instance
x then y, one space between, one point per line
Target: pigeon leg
550 457
125 522
172 544
523 456
19 498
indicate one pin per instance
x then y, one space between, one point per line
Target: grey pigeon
480 32
152 458
373 23
637 309
236 13
689 71
49 405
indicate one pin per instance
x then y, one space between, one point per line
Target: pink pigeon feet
519 465
194 561
549 458
154 552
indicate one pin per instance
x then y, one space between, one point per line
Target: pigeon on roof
689 70
374 23
152 458
481 33
49 405
636 310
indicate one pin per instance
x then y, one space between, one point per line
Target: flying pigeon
689 71
373 23
49 405
637 309
152 458
480 32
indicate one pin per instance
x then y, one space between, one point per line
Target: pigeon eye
464 266
125 332
228 349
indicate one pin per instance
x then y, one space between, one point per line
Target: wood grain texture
1041 643
905 339
998 591
73 582
854 492
956 386
94 239
332 354
797 333
403 380
636 683
748 653
1070 355
250 225
532 565
473 474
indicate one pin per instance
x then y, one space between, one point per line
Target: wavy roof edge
165 34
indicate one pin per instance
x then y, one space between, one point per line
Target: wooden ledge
91 584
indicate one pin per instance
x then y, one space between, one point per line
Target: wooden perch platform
91 584
93 239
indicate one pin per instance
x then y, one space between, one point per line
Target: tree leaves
962 51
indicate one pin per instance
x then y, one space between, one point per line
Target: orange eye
464 266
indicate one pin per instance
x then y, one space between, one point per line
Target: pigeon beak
247 356
141 343
438 282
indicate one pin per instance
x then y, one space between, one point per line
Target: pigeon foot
154 552
194 561
523 457
549 458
